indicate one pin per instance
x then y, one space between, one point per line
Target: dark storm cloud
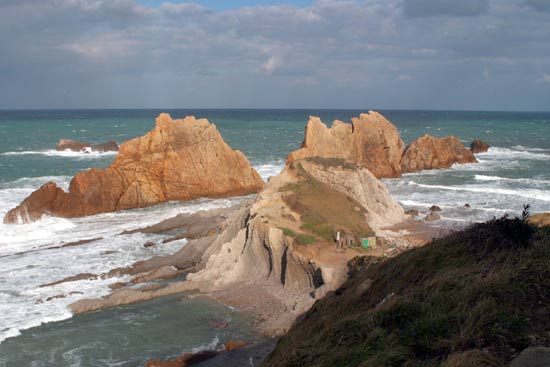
429 8
341 53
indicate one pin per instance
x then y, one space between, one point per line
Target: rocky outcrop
178 160
371 141
430 152
261 253
78 146
479 146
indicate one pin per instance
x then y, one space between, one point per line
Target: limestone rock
178 160
479 146
371 141
256 252
430 152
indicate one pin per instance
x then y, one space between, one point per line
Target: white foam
529 193
28 260
267 170
62 153
498 152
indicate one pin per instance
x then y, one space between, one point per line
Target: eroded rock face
260 250
479 146
430 152
178 160
371 141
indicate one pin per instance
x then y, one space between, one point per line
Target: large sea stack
371 141
178 160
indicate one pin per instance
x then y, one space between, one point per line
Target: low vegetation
474 298
324 210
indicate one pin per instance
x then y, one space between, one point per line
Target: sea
35 331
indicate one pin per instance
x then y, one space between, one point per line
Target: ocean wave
507 153
515 180
267 170
529 149
542 195
62 153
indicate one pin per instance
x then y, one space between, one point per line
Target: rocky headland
177 160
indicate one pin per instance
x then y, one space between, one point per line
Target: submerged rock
479 146
371 141
177 160
430 152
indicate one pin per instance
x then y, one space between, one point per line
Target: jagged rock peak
180 159
370 141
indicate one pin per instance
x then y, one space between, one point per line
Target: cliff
477 297
178 160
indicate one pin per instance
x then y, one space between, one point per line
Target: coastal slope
178 160
477 297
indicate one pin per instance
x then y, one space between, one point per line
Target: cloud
430 8
538 5
333 53
545 78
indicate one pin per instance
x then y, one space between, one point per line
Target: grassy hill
477 297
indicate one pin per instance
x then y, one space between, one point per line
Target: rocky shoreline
274 254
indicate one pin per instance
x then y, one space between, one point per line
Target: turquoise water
514 172
129 335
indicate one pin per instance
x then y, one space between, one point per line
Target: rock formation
371 141
178 160
479 146
78 146
262 253
429 152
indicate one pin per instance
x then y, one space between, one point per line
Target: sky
378 54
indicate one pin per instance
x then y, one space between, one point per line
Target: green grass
474 298
324 210
305 239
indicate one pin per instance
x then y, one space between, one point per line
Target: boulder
370 141
429 152
178 160
435 208
479 146
68 144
